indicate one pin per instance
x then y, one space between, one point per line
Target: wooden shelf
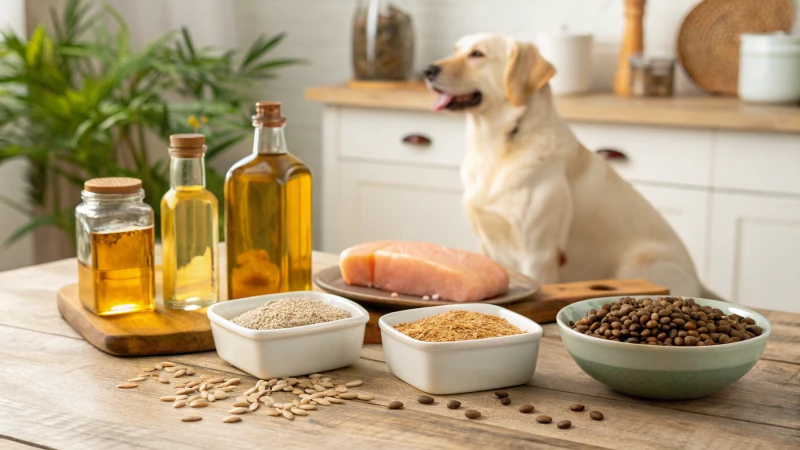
725 113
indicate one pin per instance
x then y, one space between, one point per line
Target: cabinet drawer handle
611 154
417 140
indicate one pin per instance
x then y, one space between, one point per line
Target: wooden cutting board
167 332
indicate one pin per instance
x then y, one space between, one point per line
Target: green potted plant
78 102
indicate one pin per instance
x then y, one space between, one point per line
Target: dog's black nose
432 71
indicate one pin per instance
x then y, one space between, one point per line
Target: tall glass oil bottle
189 228
268 214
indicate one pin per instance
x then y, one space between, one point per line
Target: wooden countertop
725 113
58 391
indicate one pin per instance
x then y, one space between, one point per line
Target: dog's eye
476 54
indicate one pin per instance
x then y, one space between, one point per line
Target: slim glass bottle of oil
114 235
189 228
268 214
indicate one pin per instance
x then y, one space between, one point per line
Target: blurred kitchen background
742 228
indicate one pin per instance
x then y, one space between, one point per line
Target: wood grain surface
724 113
59 392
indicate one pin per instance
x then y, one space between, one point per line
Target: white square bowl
288 351
463 366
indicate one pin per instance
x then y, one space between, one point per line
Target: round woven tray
708 41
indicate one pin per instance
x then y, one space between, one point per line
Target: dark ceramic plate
520 287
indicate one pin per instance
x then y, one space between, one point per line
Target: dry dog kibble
395 405
191 419
458 325
127 385
526 409
596 415
564 424
453 404
544 419
505 401
472 414
289 313
501 394
425 399
232 419
576 407
672 321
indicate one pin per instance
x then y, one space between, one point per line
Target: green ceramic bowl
662 372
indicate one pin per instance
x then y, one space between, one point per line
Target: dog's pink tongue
441 101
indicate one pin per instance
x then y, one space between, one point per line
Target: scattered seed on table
158 366
167 364
299 412
287 414
163 379
191 419
198 404
564 424
237 411
354 383
322 401
505 400
425 399
348 395
232 419
147 369
335 400
472 414
526 409
127 385
501 394
395 405
596 415
365 397
544 419
241 405
577 407
185 391
308 407
453 404
254 406
179 373
272 412
134 380
179 404
168 398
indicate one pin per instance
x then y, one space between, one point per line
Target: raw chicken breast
418 268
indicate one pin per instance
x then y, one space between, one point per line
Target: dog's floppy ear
526 72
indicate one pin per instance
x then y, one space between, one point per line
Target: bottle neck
187 172
269 140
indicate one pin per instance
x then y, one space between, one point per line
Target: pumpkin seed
198 404
134 380
215 380
191 419
127 385
237 411
287 414
250 391
315 375
179 404
308 407
365 397
317 395
348 395
232 382
305 401
252 398
232 419
221 395
322 401
334 400
287 389
204 394
241 405
241 398
325 379
254 406
341 388
193 398
158 366
326 384
168 398
211 398
170 369
181 397
299 412
167 364
318 388
179 373
163 379
147 369
185 391
354 383
272 412
190 371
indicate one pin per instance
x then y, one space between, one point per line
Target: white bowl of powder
295 333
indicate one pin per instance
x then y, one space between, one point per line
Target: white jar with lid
769 68
571 55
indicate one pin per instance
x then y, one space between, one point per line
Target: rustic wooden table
57 391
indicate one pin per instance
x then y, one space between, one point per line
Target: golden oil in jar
268 214
115 240
189 228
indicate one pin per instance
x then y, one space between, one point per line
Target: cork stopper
268 114
187 145
114 185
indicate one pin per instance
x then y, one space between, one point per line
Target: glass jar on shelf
116 246
383 41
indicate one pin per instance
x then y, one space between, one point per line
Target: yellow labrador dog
539 201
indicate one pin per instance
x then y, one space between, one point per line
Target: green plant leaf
259 48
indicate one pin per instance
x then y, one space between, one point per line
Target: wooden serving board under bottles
166 332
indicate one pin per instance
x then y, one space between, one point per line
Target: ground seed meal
289 313
458 326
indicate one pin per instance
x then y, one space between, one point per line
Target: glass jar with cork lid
114 231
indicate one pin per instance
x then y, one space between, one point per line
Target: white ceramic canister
769 68
571 55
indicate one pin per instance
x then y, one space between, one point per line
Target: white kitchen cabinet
404 203
686 210
755 250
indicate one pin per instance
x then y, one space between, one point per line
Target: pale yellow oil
268 225
189 233
120 278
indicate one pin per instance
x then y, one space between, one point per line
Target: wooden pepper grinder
632 43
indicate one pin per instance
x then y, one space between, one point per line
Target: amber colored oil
189 233
121 277
268 218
